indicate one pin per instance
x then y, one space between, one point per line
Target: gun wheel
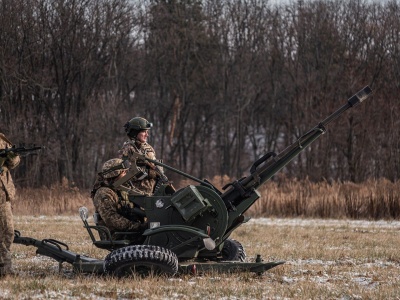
143 260
233 251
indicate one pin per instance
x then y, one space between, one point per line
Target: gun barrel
18 150
263 169
354 100
362 94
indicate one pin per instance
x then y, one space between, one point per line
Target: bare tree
223 81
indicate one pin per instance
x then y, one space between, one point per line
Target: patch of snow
325 222
5 294
287 279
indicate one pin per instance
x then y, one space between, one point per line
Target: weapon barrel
179 172
272 167
262 170
18 150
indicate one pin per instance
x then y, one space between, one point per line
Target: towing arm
61 253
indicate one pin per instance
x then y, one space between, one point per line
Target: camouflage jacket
114 210
146 185
7 188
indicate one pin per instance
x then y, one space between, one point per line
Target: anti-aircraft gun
189 228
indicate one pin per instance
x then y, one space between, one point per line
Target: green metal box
190 203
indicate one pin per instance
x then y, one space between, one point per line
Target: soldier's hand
143 226
152 174
2 160
11 155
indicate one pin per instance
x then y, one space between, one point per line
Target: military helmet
113 167
135 125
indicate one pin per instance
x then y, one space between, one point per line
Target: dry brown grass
57 200
375 199
324 260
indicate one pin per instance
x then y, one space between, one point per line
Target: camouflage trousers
6 237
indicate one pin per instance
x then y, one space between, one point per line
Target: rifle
18 150
162 179
146 162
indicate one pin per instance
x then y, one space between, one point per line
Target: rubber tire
144 260
233 251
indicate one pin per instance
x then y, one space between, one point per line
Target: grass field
325 259
319 229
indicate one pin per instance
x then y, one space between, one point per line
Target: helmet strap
133 133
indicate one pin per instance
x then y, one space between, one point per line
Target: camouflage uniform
131 146
113 207
7 194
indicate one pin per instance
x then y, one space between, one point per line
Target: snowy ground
357 274
327 222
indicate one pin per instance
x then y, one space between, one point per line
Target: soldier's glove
143 226
152 174
3 160
11 155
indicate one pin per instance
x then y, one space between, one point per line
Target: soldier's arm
12 161
106 205
152 169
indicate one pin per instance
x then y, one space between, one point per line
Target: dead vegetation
325 259
374 199
328 255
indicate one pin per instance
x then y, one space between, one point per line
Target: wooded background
224 82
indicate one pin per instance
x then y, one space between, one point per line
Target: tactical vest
124 207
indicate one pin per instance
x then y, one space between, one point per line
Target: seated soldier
113 208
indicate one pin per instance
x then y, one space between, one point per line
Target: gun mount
190 228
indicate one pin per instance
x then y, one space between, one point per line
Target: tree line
223 82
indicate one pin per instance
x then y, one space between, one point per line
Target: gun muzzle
360 96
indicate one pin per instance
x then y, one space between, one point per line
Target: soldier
113 208
7 193
137 130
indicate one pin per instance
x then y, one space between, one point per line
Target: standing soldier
7 193
137 130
